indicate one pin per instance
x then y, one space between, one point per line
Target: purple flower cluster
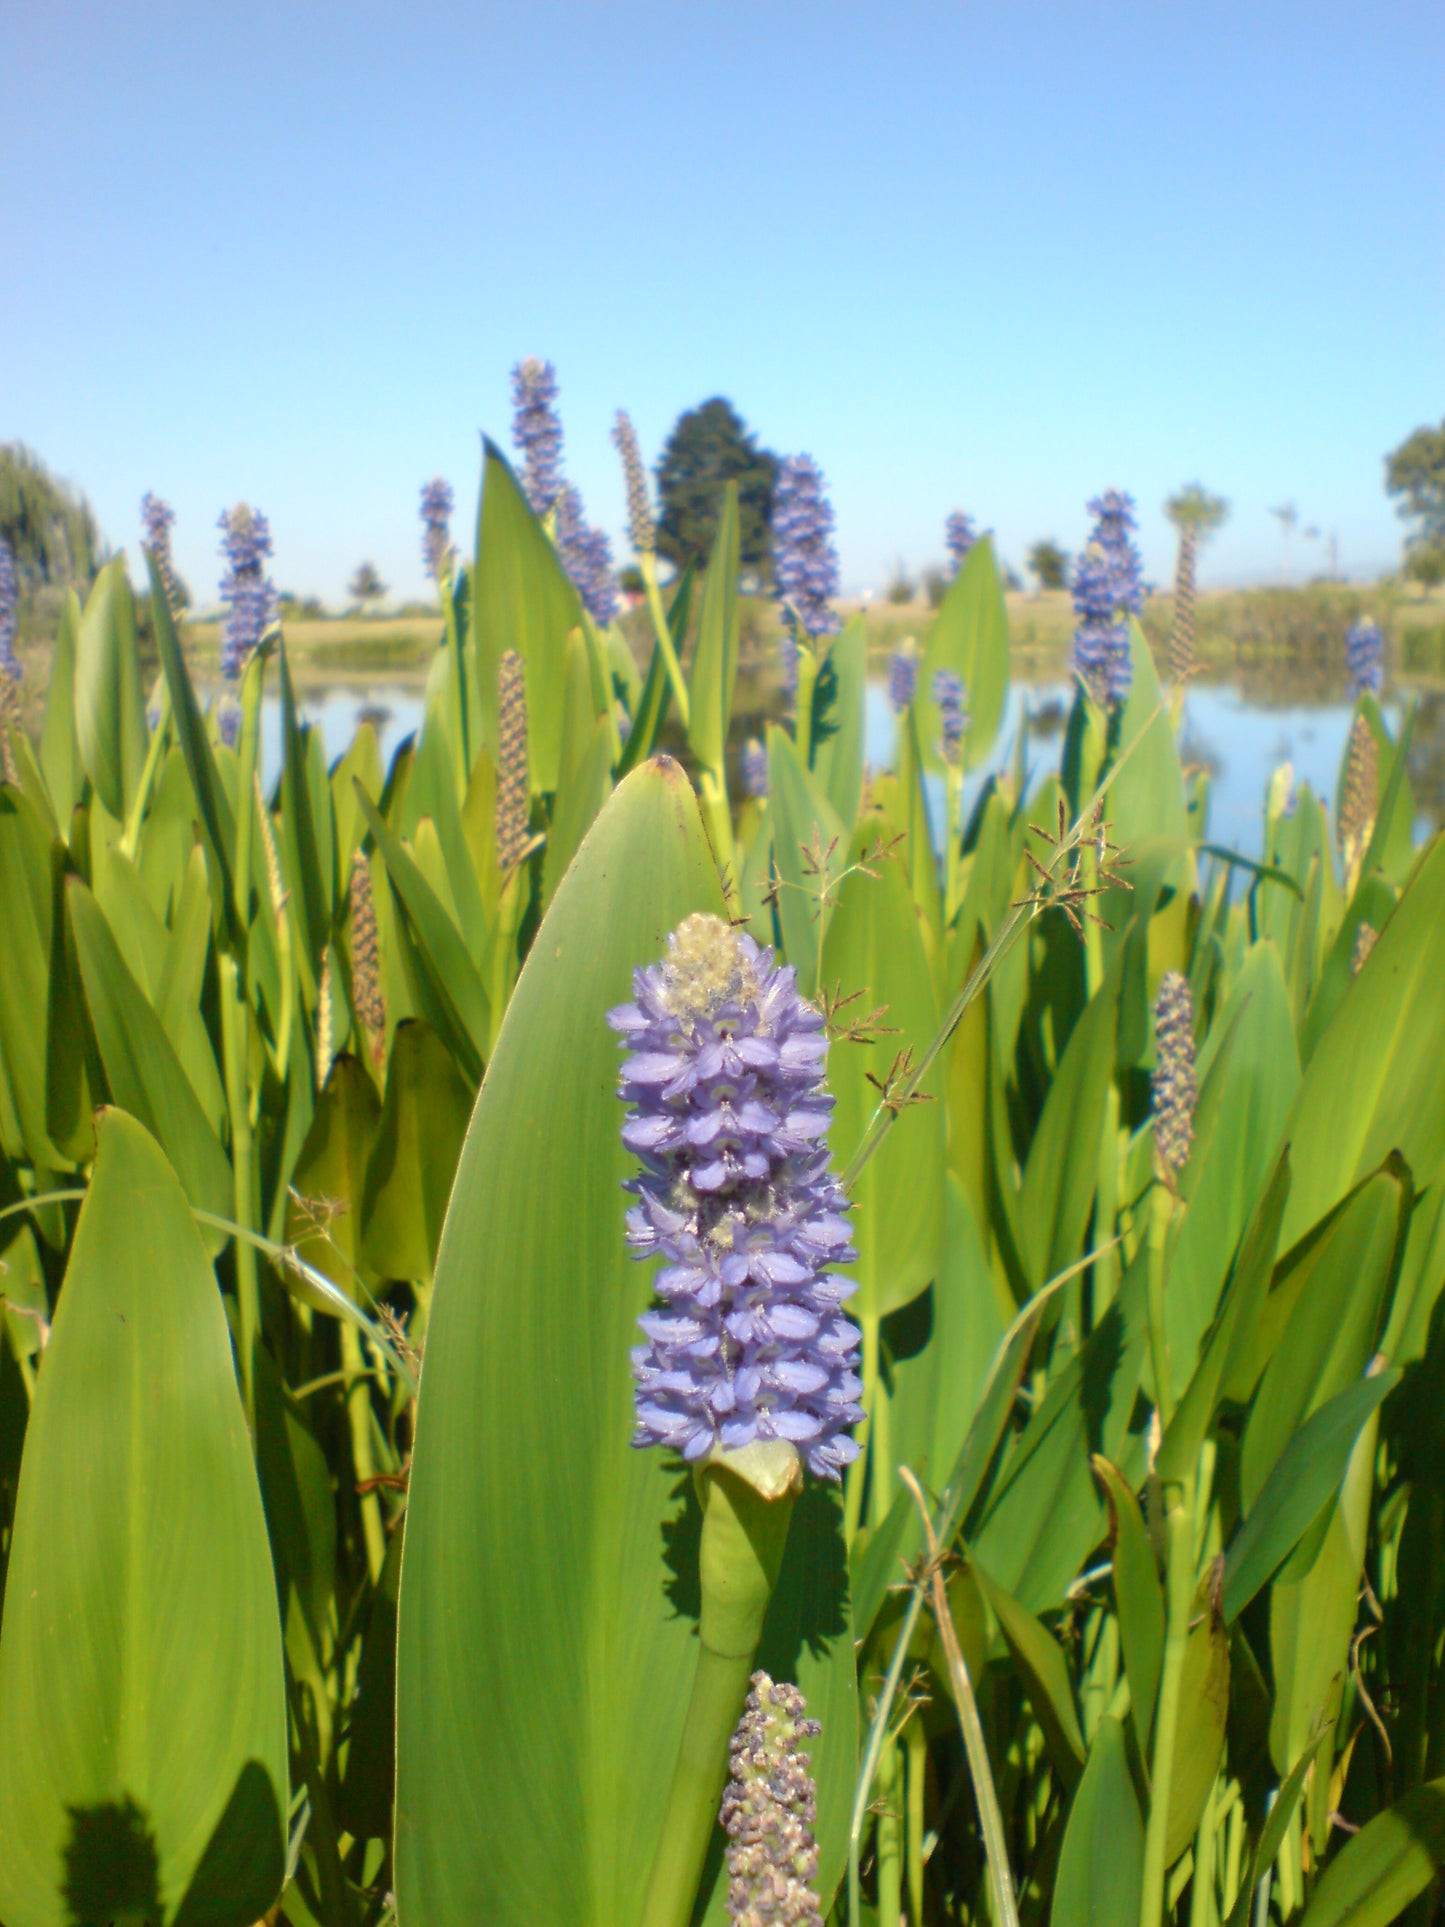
755 767
948 693
902 679
437 503
729 1119
537 431
1108 589
9 606
1365 656
245 545
586 555
960 535
805 562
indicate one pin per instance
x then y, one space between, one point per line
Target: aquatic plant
537 431
1108 589
805 562
437 503
246 589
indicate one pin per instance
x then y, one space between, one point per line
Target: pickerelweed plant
1044 1396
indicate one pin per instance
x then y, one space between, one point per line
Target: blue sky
996 257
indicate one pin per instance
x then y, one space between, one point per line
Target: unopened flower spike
770 1812
159 518
960 535
513 807
249 591
728 1118
640 526
437 503
902 677
366 992
805 562
948 693
1173 1081
537 431
1108 589
1365 656
9 607
755 767
1361 800
586 555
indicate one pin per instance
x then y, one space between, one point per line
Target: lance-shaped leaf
59 746
715 659
1375 1876
970 637
410 1167
110 721
809 852
549 1590
1040 1660
1101 1867
142 1701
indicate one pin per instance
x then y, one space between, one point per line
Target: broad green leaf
584 792
714 669
1203 1710
838 757
409 1170
59 745
1044 1514
143 1769
521 599
1138 1600
970 637
25 954
110 722
1298 1487
809 851
1063 1161
1375 1876
446 985
299 1502
1101 1867
1045 1673
1372 1084
324 1219
874 954
145 1076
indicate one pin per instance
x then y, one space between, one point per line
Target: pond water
1240 739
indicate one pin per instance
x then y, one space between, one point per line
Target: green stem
917 1743
953 833
251 691
743 1536
713 795
803 724
1179 1531
461 745
890 1836
1107 1271
1203 1910
358 1415
504 947
1161 1208
647 564
858 1475
248 1290
159 737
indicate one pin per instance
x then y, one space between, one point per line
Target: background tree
1415 476
50 526
1048 564
366 586
709 446
1196 514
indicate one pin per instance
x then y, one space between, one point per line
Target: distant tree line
51 528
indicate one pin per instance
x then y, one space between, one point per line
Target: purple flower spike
9 605
437 503
1365 656
960 535
804 559
158 519
245 544
1108 589
902 679
948 693
755 767
729 1119
537 431
587 557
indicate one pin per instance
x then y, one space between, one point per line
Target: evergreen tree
709 446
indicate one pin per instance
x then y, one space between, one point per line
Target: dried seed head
639 506
1183 659
366 994
769 1812
1174 1088
1362 789
514 793
1366 937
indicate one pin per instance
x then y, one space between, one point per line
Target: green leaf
713 674
970 637
538 1723
302 849
874 953
445 983
582 795
324 1219
1299 1486
1203 1711
1272 1834
1375 1876
652 703
25 960
418 1140
1138 1600
1147 796
142 1703
809 850
1040 1661
110 722
522 599
1101 1867
838 759
364 1805
59 745
145 1076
